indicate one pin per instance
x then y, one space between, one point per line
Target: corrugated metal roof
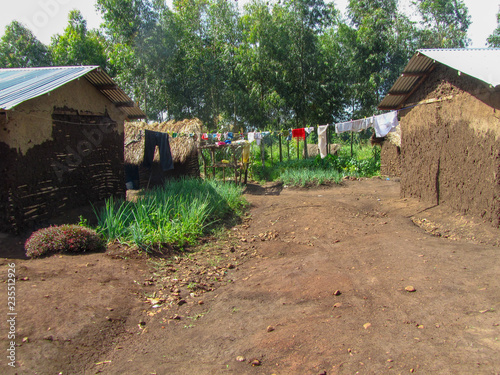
480 63
18 85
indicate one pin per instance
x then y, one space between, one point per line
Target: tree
298 56
494 38
77 45
444 23
140 46
375 47
19 48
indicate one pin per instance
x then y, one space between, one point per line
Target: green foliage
19 48
177 213
494 38
277 65
444 23
63 239
77 45
365 162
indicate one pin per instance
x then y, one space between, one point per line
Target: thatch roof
181 147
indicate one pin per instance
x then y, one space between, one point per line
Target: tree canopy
275 64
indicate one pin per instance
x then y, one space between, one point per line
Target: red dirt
268 295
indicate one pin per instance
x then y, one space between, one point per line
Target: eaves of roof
18 85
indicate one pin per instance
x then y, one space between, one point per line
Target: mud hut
448 102
61 141
183 140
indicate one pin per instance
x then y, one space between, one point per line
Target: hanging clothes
309 130
385 123
289 137
258 138
299 133
322 140
251 137
153 139
353 125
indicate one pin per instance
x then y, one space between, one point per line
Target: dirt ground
336 280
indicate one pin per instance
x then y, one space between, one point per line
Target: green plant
177 213
63 239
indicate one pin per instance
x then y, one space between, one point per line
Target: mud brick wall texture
81 164
59 152
450 150
390 156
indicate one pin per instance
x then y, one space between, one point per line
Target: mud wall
450 151
390 159
58 152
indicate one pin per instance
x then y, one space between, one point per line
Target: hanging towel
153 139
251 137
204 136
322 140
342 127
289 138
385 123
353 125
299 133
309 130
258 138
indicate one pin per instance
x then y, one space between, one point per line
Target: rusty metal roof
480 63
18 85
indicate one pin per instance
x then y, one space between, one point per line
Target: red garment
299 133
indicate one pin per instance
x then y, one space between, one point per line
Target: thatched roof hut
184 149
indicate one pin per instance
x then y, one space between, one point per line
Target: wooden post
271 140
204 163
306 152
262 153
235 166
352 138
281 150
327 140
212 153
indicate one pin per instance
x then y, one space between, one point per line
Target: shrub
63 239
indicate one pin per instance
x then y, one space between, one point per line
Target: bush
63 239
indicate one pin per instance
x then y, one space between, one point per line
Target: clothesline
382 124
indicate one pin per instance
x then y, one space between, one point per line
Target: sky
46 18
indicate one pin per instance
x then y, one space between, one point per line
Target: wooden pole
327 140
281 151
352 138
212 153
262 154
306 153
271 138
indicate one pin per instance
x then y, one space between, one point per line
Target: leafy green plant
177 213
63 239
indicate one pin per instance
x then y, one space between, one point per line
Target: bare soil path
314 282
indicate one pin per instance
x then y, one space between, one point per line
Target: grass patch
365 162
176 214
